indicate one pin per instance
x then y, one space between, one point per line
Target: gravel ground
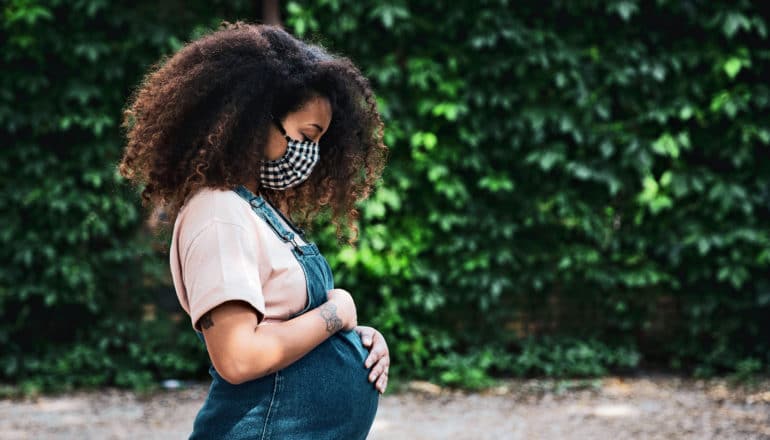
610 408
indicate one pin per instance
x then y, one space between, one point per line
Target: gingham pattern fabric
294 167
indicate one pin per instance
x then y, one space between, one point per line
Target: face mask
294 167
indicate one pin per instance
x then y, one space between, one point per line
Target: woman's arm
243 350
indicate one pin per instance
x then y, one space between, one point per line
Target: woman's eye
307 139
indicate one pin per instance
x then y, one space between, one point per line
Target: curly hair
200 118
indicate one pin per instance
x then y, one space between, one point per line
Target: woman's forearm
274 346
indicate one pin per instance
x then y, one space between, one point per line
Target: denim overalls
325 394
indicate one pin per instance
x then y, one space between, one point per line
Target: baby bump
327 394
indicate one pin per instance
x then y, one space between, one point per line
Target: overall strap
293 227
261 208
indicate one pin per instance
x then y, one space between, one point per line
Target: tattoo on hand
206 321
329 314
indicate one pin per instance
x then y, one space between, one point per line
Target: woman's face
308 123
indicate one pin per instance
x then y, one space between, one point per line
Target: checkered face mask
294 167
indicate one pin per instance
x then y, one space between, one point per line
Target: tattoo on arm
329 314
206 321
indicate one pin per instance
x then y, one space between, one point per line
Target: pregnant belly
324 395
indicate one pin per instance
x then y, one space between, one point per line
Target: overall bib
324 395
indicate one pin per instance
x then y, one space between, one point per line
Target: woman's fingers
375 356
380 368
366 334
382 382
379 356
377 350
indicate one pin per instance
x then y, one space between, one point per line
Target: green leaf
732 66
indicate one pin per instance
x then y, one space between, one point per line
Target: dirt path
612 408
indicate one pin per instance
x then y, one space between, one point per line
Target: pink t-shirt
221 251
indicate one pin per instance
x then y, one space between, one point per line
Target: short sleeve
219 265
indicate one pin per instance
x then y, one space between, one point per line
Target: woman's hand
346 307
379 356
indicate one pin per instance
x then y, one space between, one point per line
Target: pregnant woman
237 136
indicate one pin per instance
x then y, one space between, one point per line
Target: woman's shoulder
215 202
209 206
